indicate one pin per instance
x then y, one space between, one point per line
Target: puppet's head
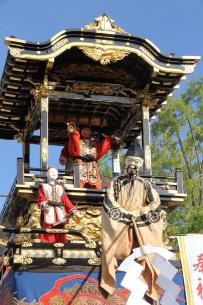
134 158
86 133
52 174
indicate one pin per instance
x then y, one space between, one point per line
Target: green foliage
105 164
178 143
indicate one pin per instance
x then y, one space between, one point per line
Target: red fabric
73 144
64 151
69 207
103 147
72 148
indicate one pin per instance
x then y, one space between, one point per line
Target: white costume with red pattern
53 214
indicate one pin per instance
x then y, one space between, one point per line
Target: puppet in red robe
87 152
55 206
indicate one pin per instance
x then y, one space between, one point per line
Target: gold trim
59 44
147 53
44 150
44 103
19 137
58 261
94 261
6 261
58 245
3 243
91 244
104 41
15 52
20 259
116 47
104 56
26 244
25 230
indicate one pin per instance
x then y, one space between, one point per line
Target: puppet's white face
133 164
52 174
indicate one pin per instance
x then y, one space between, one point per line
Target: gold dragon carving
104 56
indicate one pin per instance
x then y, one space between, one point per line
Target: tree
178 143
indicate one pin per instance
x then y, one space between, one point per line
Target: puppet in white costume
127 196
55 206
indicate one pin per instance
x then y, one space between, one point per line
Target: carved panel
105 56
89 222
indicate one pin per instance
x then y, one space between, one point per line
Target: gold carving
42 253
58 245
44 150
40 92
105 24
31 220
62 231
105 56
3 242
26 244
21 259
33 216
85 254
25 230
94 261
91 244
19 137
59 261
59 44
15 52
44 95
89 223
6 260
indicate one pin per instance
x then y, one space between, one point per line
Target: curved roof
90 54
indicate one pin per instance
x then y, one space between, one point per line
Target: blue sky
173 26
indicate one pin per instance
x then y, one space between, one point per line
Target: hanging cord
117 188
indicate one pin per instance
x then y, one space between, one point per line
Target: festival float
102 77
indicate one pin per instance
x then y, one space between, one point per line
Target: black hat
135 150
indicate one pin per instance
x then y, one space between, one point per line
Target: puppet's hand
71 127
62 160
76 213
44 205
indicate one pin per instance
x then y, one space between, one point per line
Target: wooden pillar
44 110
146 140
116 163
20 171
26 154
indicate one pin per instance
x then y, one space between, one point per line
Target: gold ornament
59 261
104 55
104 24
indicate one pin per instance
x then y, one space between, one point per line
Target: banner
191 255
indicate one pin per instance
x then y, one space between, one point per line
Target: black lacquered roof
98 76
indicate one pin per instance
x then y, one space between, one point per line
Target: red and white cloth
52 214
